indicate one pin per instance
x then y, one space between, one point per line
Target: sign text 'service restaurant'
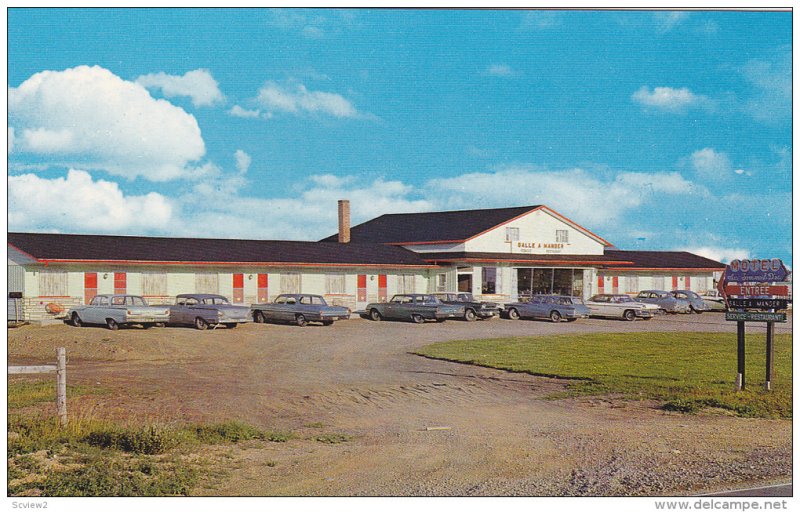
500 254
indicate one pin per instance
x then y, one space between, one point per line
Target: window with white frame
631 284
334 284
658 282
489 280
154 284
512 234
52 283
206 283
290 282
562 236
441 282
405 283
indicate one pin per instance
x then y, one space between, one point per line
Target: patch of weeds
26 393
316 424
149 440
335 438
682 405
234 432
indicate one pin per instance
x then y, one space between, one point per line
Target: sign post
754 290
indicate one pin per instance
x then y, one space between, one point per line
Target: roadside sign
757 303
756 271
754 316
760 290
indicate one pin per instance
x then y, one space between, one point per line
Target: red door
688 282
238 288
263 288
674 282
362 288
601 284
120 282
615 284
89 286
382 288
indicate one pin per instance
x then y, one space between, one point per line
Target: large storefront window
537 281
489 280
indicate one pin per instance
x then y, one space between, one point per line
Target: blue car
553 307
299 309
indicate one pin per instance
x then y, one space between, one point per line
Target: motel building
501 254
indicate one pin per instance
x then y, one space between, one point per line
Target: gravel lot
499 436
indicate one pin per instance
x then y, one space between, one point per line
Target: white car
620 306
115 310
714 301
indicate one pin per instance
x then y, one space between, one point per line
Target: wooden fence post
61 386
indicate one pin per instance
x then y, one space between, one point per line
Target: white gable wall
537 235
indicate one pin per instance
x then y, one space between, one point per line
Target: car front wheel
629 315
112 324
513 314
76 320
375 315
301 320
469 315
417 319
258 317
200 324
555 316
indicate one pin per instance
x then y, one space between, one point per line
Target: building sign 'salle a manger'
539 247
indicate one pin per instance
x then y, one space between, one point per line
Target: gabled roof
664 260
443 227
55 248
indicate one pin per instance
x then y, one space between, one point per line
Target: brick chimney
344 221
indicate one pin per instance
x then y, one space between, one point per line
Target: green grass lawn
686 370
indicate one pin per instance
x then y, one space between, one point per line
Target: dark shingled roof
665 259
563 259
45 246
432 226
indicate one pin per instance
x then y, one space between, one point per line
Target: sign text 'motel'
756 271
751 303
757 290
754 316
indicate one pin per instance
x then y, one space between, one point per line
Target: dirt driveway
358 378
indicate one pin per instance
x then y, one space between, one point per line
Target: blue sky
657 130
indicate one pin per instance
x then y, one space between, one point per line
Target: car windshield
465 297
215 300
401 299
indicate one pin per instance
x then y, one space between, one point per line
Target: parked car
472 308
696 303
554 307
298 308
205 309
714 301
664 300
116 310
620 306
414 307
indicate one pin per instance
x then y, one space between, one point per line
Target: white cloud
237 111
298 98
771 79
78 204
670 99
500 70
198 85
667 20
710 164
585 195
243 161
722 254
90 117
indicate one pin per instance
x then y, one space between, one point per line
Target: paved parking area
499 435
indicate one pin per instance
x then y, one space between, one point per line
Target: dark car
472 308
553 307
298 308
414 307
206 309
696 302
